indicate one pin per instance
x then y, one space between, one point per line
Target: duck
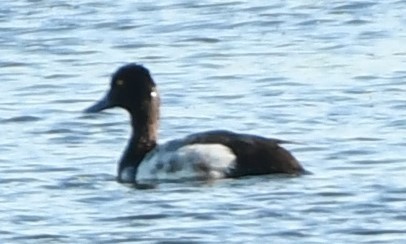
203 156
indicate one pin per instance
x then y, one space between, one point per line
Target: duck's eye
119 82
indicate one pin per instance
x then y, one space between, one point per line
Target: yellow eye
120 82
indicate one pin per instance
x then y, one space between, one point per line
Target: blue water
328 75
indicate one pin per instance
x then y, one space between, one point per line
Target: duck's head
131 88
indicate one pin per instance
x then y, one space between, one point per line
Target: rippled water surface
330 75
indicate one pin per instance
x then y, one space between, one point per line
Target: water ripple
21 119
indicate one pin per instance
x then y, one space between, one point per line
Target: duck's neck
143 139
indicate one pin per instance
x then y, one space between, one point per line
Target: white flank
196 161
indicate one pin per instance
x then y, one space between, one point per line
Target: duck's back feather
256 155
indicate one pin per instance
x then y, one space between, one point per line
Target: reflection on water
329 76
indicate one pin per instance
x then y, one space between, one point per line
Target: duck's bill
103 104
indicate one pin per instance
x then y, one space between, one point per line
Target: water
330 76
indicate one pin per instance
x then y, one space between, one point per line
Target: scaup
203 156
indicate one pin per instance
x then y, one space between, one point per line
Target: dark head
131 88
